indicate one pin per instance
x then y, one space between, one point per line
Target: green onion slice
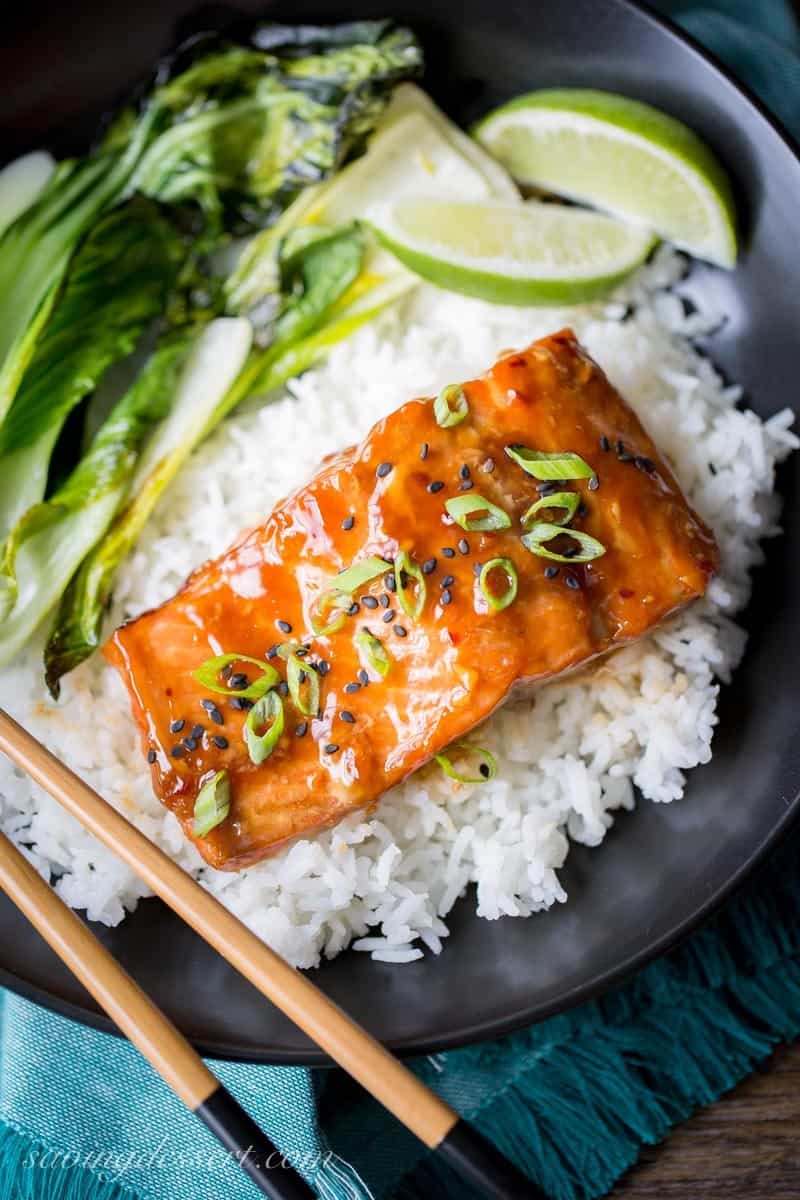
266 715
544 532
303 683
208 674
569 501
412 599
450 406
351 579
561 465
213 804
375 653
335 602
477 514
486 770
498 600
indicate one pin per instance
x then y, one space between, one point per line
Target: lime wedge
511 253
622 156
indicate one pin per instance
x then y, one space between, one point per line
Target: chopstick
433 1121
132 1010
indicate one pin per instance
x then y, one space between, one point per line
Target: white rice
386 884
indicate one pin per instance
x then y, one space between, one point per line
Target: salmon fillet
455 662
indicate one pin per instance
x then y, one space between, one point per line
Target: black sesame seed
383 600
177 726
570 551
448 581
644 464
197 731
302 676
488 466
388 616
484 770
363 678
400 630
301 652
594 484
428 566
216 716
389 582
463 546
283 688
547 488
369 601
424 451
605 444
331 748
302 729
241 703
208 705
446 596
347 716
712 468
448 552
581 510
383 470
348 523
151 756
220 741
464 471
323 667
435 486
550 572
477 568
619 446
226 671
572 582
284 626
273 651
190 743
177 752
354 608
238 682
352 688
466 485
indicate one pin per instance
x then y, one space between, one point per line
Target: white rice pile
567 759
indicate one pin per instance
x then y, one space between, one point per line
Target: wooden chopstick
145 1025
343 1039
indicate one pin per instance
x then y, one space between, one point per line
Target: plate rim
581 993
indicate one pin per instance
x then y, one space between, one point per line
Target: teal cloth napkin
572 1100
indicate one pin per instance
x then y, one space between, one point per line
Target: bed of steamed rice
386 884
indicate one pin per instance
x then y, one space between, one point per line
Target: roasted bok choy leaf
238 129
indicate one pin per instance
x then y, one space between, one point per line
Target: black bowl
663 867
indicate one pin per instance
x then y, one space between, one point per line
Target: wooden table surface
744 1147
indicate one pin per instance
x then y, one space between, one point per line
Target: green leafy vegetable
213 804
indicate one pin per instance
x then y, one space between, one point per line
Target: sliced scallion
375 653
544 532
212 805
303 684
477 514
353 578
495 566
412 600
568 501
450 406
208 674
486 770
265 716
332 602
561 465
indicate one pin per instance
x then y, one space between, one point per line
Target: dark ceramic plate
662 868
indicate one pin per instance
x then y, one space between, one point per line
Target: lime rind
618 119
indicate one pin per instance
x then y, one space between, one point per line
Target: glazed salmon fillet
415 681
